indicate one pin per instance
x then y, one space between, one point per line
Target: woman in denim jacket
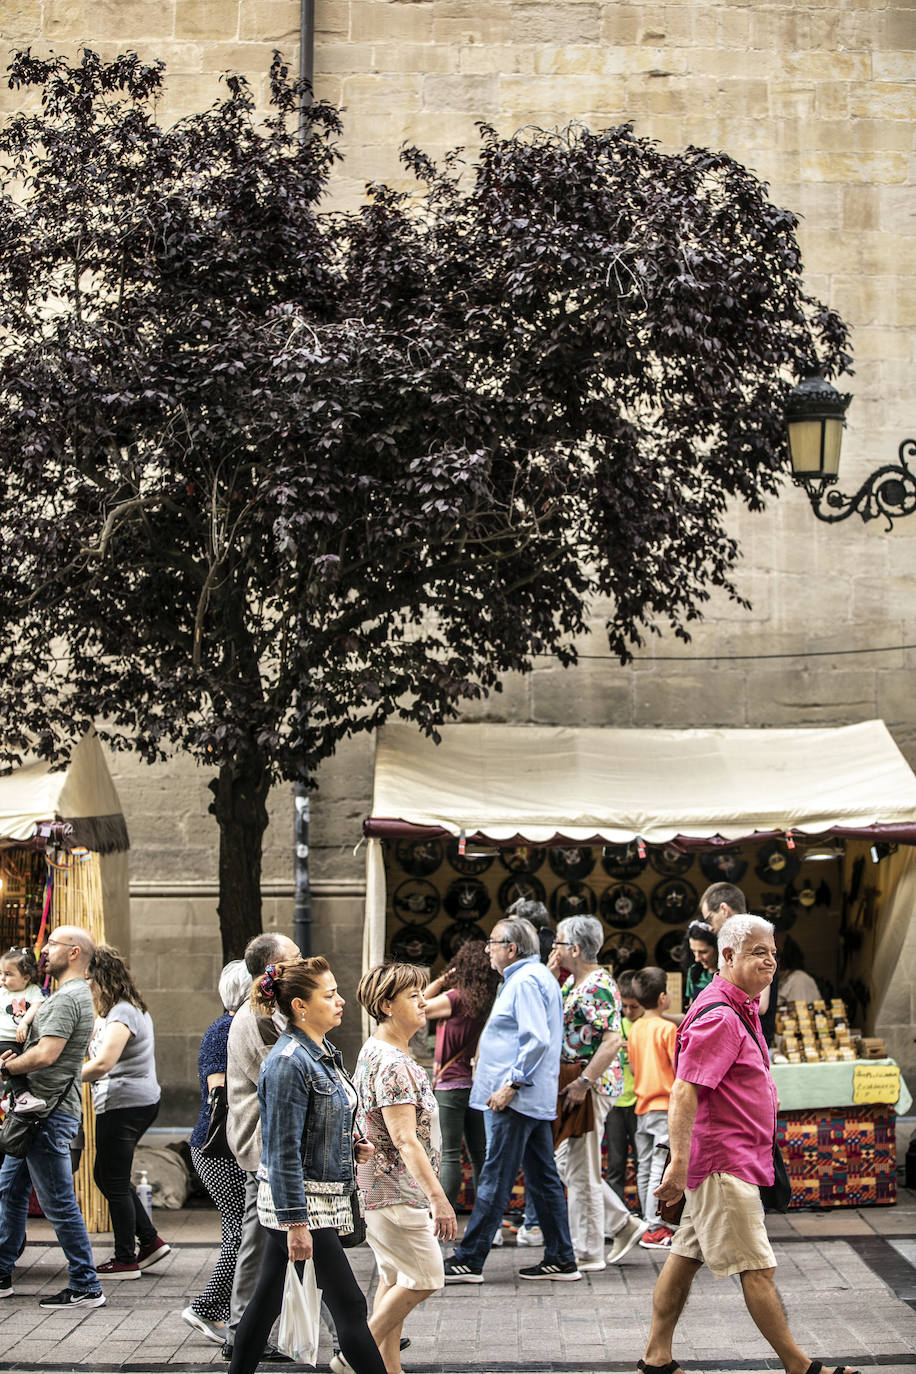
308 1164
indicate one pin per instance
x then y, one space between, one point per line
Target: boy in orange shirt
651 1050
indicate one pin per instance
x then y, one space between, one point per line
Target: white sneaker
529 1235
28 1102
497 1240
626 1238
211 1331
338 1365
590 1266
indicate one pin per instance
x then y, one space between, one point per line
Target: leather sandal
673 1365
817 1367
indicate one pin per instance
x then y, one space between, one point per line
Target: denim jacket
306 1124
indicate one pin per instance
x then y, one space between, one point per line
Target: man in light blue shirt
515 1084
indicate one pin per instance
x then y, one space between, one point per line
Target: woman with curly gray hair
221 1176
590 1069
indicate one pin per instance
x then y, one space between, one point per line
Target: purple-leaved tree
272 475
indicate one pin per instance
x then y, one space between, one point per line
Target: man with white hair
53 1060
722 1124
515 1084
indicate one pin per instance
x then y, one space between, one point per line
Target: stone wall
819 99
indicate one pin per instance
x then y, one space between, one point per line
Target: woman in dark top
222 1178
704 950
460 1013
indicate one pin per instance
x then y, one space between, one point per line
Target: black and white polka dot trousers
225 1183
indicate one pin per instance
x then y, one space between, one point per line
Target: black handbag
349 1239
215 1145
19 1130
777 1195
18 1133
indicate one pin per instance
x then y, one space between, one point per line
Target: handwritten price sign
875 1083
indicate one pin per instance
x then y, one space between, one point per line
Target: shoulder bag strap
439 1069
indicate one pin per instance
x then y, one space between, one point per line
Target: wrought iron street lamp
815 414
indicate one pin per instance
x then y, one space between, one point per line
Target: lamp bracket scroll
889 492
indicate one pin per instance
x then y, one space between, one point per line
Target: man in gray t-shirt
59 1039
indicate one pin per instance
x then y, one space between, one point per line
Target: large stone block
560 98
467 21
414 57
383 93
136 18
896 67
533 22
596 694
621 25
269 21
63 19
809 696
388 21
332 17
896 699
681 698
473 94
218 19
882 100
899 28
481 59
831 99
864 167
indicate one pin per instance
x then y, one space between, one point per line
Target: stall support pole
302 906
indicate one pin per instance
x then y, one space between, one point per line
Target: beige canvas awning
543 784
81 794
538 782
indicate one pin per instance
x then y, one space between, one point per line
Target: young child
651 1050
19 1001
620 1131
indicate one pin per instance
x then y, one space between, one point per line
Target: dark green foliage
270 476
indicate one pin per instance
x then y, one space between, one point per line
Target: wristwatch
515 1086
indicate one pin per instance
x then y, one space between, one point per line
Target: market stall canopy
81 796
543 784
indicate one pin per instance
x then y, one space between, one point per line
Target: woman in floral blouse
592 1038
399 1115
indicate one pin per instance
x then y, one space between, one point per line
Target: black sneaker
6 1286
72 1297
550 1269
226 1351
456 1272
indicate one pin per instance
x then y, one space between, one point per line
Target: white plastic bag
300 1315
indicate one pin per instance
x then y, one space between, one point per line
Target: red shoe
153 1253
659 1238
118 1269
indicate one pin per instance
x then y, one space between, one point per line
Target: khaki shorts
405 1248
722 1225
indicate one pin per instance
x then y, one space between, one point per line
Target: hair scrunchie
268 978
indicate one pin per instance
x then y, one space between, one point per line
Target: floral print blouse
387 1077
591 1008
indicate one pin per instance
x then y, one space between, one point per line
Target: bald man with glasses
53 1060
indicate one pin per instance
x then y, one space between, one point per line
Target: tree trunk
240 807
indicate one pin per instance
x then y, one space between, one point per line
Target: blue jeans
514 1140
530 1218
48 1167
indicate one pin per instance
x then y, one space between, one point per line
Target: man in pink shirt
722 1123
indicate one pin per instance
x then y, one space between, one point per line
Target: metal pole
306 59
302 906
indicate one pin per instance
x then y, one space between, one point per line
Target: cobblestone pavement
848 1279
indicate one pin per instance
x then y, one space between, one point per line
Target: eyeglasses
62 943
562 944
498 942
